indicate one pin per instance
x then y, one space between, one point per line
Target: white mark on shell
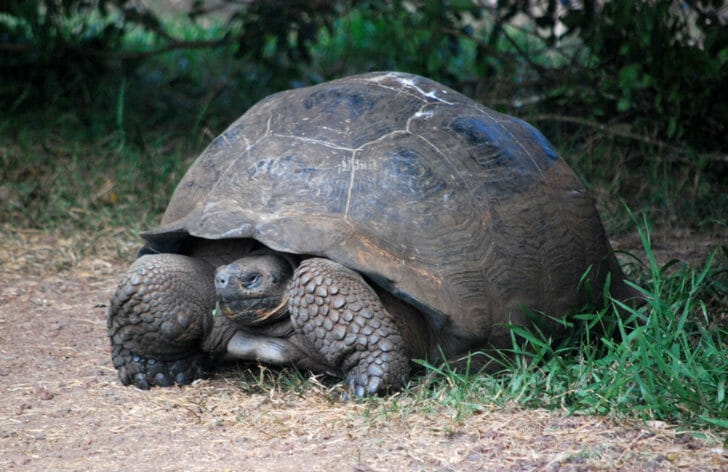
409 83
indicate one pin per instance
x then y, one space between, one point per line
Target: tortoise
353 226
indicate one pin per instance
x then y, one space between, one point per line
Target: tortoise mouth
252 309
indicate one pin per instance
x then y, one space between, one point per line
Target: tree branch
106 54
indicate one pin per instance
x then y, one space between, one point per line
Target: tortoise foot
342 317
145 373
376 373
158 318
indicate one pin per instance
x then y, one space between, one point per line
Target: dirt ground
62 407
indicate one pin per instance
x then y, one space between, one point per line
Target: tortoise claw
145 373
376 373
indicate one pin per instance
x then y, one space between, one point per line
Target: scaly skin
344 320
162 331
160 313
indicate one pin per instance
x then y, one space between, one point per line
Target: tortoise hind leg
161 311
342 317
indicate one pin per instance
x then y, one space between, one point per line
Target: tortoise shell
467 213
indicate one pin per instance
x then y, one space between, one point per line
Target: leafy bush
49 48
661 65
656 66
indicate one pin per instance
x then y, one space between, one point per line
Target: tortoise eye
251 280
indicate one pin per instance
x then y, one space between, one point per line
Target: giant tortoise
353 226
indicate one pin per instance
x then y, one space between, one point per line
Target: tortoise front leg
346 323
160 313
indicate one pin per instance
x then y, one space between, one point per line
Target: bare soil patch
62 407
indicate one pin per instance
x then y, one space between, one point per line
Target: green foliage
53 46
421 37
276 36
656 66
663 64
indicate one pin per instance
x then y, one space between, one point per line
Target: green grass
667 360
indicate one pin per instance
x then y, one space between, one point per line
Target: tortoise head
252 291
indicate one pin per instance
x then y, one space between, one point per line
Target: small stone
356 306
347 316
19 459
333 290
321 291
328 325
367 313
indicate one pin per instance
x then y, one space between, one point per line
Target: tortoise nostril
221 281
